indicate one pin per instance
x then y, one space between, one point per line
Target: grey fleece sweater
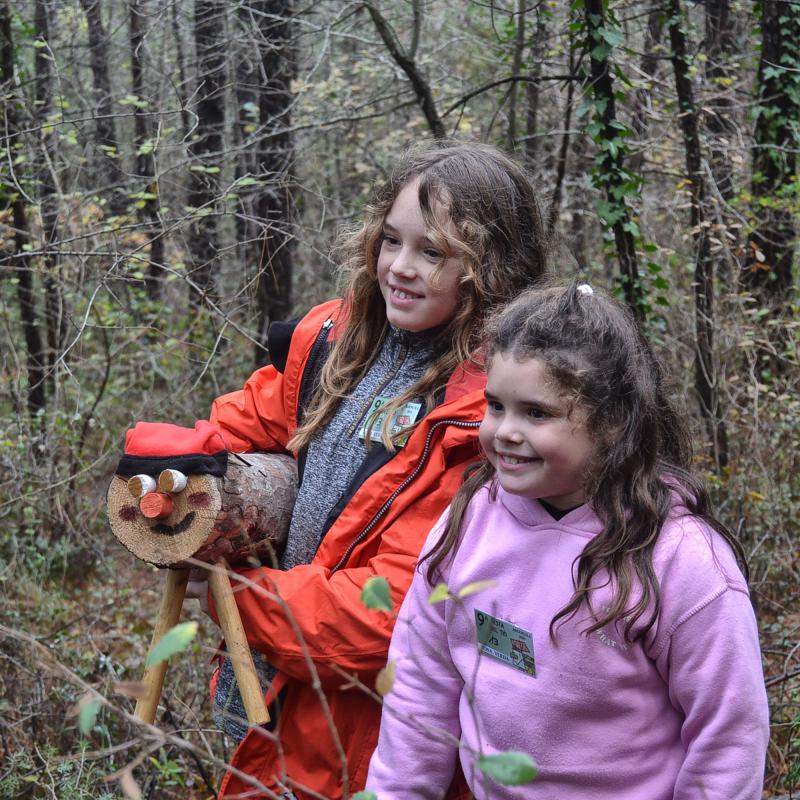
334 455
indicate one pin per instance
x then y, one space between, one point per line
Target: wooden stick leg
238 649
168 615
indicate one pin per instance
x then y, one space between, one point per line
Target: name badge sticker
505 642
402 418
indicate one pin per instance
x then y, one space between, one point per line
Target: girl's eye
434 255
392 241
494 406
536 413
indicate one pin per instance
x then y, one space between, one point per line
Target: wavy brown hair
491 203
596 354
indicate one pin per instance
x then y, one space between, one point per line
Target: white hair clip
584 288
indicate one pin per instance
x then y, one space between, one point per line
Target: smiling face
174 538
537 441
419 285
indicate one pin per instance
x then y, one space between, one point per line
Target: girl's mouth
403 294
506 460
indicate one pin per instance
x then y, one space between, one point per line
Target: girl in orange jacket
380 397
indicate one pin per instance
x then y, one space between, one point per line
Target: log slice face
243 517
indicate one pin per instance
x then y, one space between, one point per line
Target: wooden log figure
179 494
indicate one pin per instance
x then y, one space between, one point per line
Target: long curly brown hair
597 355
501 240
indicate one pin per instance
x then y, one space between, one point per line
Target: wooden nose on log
156 505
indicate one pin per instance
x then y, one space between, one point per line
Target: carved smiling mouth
178 527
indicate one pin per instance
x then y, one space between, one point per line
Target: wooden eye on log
170 480
140 485
241 517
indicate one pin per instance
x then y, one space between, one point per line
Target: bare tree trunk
649 66
719 51
721 129
179 63
611 174
706 379
206 147
563 152
768 271
55 301
516 69
533 92
105 130
275 153
35 357
248 85
145 161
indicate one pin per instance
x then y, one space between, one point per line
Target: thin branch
510 79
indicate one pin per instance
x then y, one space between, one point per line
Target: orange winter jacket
327 727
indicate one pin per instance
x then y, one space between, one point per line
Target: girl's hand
197 587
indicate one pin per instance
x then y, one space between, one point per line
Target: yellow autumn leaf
439 593
474 588
385 679
756 497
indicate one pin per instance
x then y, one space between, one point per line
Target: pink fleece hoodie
679 715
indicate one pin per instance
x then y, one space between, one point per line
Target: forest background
173 176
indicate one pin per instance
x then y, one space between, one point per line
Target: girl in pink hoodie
578 607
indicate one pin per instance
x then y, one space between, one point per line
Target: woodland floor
91 627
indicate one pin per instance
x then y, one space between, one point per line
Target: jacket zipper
426 450
310 368
367 404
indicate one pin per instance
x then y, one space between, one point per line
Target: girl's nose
507 431
403 264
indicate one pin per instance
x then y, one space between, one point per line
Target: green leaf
87 715
365 795
613 36
440 592
173 641
631 227
375 594
143 196
509 769
133 100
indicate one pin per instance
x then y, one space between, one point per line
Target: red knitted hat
151 447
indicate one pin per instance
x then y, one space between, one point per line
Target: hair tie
584 288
